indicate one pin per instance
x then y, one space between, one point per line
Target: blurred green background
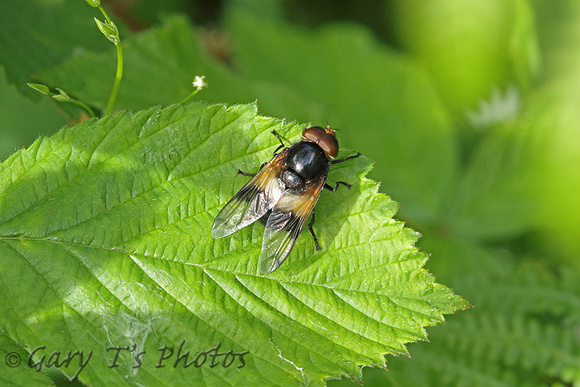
471 110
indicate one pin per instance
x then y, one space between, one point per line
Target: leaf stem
115 38
61 97
118 77
193 93
84 106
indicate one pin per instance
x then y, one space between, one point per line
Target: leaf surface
43 35
105 242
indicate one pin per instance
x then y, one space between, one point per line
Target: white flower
499 108
200 82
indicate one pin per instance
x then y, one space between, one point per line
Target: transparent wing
285 224
255 198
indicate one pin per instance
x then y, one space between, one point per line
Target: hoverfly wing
251 202
285 224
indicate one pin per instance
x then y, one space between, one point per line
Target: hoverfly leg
333 189
240 172
281 142
346 158
246 173
312 231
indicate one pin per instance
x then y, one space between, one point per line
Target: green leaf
44 35
22 120
492 199
470 48
94 3
42 89
551 122
105 242
522 331
62 96
15 371
110 31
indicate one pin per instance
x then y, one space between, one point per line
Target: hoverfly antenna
328 125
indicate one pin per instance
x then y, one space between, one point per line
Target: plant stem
119 73
190 96
84 106
118 77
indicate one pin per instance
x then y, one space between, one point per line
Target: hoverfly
283 194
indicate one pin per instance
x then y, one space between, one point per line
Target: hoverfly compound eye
313 133
329 145
325 138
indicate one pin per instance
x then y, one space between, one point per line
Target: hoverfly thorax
307 160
